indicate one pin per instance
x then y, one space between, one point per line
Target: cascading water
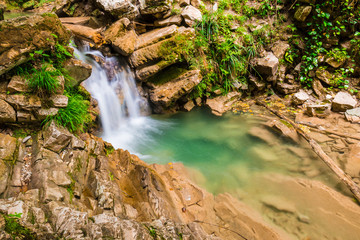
122 110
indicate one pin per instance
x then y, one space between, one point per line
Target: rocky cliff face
81 188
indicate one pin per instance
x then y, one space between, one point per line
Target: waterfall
122 109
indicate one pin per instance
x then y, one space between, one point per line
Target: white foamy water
123 112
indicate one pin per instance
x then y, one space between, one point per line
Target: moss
167 75
15 229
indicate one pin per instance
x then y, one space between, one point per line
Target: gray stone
191 15
302 13
118 8
300 97
353 115
342 102
56 137
268 65
7 112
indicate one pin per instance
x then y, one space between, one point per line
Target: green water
223 151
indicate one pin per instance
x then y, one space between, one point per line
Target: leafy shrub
75 116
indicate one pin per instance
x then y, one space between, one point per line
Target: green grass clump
44 81
75 116
15 229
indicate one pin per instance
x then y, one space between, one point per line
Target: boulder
59 101
268 65
221 104
7 147
335 63
155 36
279 49
324 76
286 88
28 33
156 8
302 13
7 112
318 110
191 15
17 84
118 8
342 102
25 102
165 95
42 113
352 166
353 115
77 70
56 137
300 97
122 38
176 19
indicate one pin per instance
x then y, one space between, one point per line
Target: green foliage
70 188
75 116
330 19
15 229
44 80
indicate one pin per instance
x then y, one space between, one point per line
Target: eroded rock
191 15
7 112
77 70
267 65
56 137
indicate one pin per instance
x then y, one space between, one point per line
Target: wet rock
353 115
7 147
300 97
284 128
17 84
318 110
342 102
7 112
279 49
167 94
77 70
267 65
176 19
122 37
302 13
118 8
28 33
221 104
56 137
352 166
191 15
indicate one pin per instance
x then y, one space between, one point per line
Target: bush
44 81
75 116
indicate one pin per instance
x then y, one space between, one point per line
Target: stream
284 181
